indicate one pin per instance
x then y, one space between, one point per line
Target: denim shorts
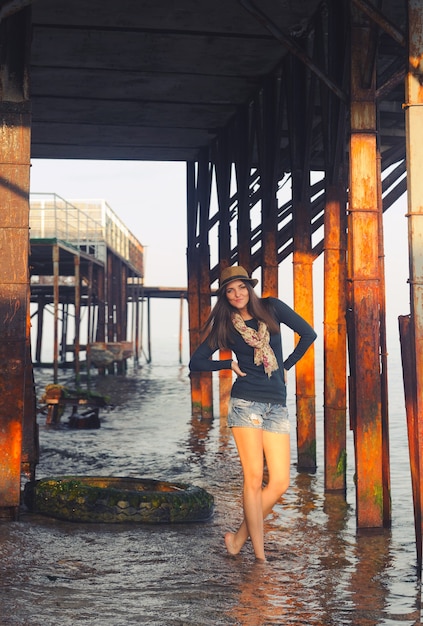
247 414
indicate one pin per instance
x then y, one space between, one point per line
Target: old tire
117 500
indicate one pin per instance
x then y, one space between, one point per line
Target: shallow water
320 571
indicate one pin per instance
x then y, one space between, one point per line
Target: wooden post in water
149 355
193 284
30 446
203 195
137 328
40 320
100 331
386 476
110 299
64 331
303 304
90 325
181 327
77 340
364 274
15 147
300 118
223 185
415 442
122 309
335 340
56 254
100 334
414 139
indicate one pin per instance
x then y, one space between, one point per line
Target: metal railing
89 225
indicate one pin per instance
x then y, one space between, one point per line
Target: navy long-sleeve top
256 385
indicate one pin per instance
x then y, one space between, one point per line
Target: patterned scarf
259 340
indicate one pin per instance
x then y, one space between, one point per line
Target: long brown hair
219 324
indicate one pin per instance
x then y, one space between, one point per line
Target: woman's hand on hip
235 367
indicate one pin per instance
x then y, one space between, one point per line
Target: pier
88 266
254 100
87 270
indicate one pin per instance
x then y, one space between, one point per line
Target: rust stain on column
193 285
414 443
56 254
194 330
335 341
305 382
77 267
365 289
14 290
205 304
270 265
414 139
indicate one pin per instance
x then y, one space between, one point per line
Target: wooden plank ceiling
151 79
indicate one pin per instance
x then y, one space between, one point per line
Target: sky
150 198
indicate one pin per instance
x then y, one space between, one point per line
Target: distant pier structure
87 269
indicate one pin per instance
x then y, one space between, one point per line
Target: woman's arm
201 360
286 315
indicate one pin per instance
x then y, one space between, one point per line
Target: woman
258 417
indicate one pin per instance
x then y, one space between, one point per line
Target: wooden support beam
243 143
100 333
334 124
386 472
137 324
223 188
303 304
180 338
414 437
414 140
300 115
269 114
64 331
193 284
204 193
15 146
122 310
149 354
364 274
110 303
335 340
30 442
90 322
56 258
77 365
40 320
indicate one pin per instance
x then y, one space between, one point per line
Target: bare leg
249 442
276 448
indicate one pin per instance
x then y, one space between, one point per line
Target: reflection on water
319 570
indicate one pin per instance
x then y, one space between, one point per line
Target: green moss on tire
116 500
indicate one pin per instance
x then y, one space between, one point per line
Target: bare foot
260 560
230 544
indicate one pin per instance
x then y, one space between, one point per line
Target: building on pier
82 256
86 239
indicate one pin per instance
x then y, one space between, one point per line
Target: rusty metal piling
15 140
300 120
414 146
335 344
364 275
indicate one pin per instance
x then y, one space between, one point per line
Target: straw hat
236 272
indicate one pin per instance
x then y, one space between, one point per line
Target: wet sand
320 571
